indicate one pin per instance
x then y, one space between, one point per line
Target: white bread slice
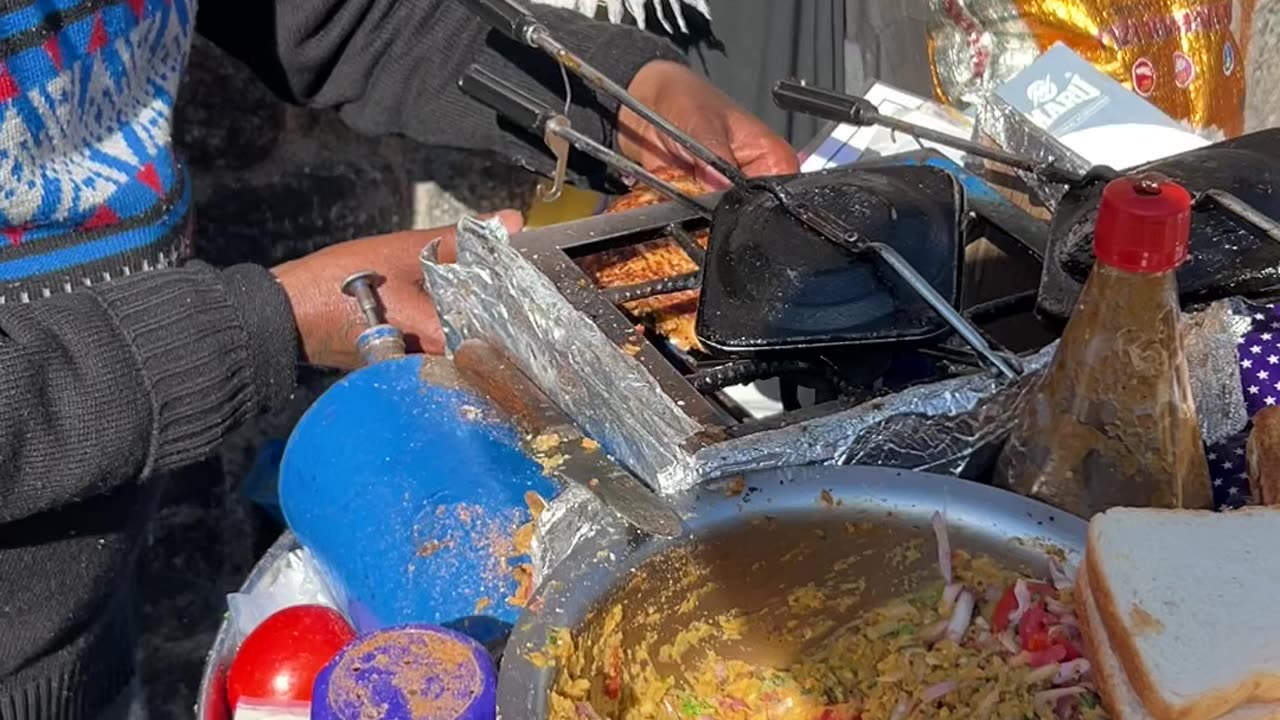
1187 601
1118 697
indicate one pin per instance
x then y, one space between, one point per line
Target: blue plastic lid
415 672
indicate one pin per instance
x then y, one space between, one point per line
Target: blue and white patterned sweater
91 188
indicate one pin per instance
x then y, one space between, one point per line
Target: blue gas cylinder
409 494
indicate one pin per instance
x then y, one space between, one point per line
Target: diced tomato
1034 622
1072 650
1037 642
1009 602
1055 654
613 678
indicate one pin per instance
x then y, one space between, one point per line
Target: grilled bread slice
673 315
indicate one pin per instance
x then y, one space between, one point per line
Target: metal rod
619 162
1048 171
940 305
835 231
539 37
688 244
652 288
1246 212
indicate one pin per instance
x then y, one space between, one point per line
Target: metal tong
796 96
512 18
516 105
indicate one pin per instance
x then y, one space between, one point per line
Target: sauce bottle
1112 421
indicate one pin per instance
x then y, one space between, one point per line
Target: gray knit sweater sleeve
392 66
134 377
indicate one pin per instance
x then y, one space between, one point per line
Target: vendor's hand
709 116
329 322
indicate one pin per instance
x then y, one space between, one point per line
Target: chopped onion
933 692
994 594
900 711
961 617
933 633
1023 594
1061 580
586 712
944 546
1009 643
949 595
1069 620
1049 697
1072 672
1055 607
987 704
1043 673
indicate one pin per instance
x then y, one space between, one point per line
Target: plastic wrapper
295 580
495 294
1180 54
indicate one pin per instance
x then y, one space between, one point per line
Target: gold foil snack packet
1181 56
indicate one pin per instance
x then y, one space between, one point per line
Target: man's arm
392 66
106 385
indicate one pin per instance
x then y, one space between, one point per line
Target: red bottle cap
1144 224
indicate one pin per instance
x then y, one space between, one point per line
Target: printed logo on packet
1228 58
1144 77
1184 71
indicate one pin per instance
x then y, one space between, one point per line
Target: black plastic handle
508 100
795 96
507 16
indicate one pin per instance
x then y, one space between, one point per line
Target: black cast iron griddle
1228 255
773 284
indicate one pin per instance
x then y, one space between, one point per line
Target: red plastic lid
1144 224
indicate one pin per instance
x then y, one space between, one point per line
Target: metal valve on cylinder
381 341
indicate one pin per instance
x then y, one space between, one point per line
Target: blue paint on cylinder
408 494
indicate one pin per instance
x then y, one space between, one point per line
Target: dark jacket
105 387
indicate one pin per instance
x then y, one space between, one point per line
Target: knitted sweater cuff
214 348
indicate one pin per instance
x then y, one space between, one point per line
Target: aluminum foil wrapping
493 293
999 125
952 427
1181 55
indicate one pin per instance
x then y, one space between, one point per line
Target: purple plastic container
414 672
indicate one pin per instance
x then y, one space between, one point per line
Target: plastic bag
298 580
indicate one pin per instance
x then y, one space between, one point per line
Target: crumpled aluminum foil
494 293
951 427
998 124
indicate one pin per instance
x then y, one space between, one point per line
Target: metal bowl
860 535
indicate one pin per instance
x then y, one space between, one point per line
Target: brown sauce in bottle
1112 421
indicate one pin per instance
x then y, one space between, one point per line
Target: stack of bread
1177 610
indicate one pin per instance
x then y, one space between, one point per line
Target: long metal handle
837 232
527 29
506 99
527 112
796 96
940 305
509 16
621 163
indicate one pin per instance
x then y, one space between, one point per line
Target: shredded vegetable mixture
980 643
